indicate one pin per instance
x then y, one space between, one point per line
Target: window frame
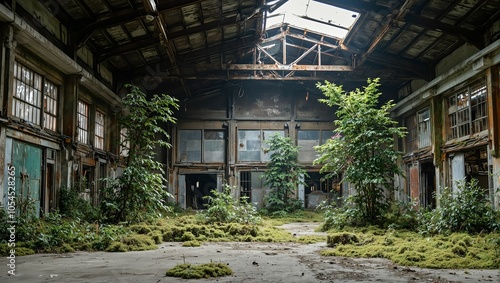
461 111
321 140
99 130
85 128
264 155
200 145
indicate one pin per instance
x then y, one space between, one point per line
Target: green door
27 160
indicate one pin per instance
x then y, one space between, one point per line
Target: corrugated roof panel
135 28
182 44
149 54
173 20
118 34
210 10
191 15
214 36
96 6
197 40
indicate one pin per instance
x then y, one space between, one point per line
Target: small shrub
205 270
348 215
222 207
462 211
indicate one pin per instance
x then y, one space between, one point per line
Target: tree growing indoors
362 145
283 175
140 190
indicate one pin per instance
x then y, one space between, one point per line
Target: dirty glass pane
189 145
266 155
213 146
307 140
249 144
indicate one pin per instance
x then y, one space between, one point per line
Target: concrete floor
251 262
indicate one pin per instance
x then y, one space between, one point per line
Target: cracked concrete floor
251 262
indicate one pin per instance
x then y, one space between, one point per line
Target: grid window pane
307 140
50 106
99 130
26 102
213 146
424 128
467 111
189 145
83 121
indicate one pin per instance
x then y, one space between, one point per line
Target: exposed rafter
473 38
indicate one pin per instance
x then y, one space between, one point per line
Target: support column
7 57
493 99
68 105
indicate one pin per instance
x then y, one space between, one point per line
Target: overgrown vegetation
466 210
283 175
140 191
204 270
457 250
223 207
362 146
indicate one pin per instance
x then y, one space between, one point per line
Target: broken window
99 130
27 100
467 111
83 122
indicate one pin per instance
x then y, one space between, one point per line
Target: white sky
290 11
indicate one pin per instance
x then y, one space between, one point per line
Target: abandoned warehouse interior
244 70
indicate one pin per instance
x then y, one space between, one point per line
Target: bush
466 211
402 215
222 207
71 205
348 215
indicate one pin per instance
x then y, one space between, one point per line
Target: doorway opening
197 187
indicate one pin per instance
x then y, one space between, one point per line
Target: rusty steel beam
275 67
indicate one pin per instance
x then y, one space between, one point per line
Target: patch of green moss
311 239
156 236
205 270
193 243
140 228
411 249
341 238
19 251
137 242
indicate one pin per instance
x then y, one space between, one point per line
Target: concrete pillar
7 57
493 90
68 104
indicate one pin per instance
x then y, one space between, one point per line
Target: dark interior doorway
428 185
198 186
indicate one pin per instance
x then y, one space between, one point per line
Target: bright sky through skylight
294 12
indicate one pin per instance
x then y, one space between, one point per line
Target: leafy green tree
283 175
140 191
362 145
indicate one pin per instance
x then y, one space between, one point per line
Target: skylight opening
314 16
